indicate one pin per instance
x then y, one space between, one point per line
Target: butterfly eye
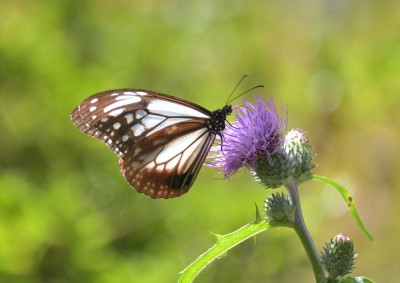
162 141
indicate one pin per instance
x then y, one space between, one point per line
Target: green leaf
349 201
363 279
347 279
360 279
222 246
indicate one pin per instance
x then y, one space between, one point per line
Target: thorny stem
304 235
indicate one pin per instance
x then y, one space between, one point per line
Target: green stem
304 235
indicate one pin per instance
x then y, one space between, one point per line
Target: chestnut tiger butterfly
162 141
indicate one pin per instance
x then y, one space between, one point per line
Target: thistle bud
279 211
339 256
298 151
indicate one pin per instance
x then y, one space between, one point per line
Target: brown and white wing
162 140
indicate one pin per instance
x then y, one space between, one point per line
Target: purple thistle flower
257 133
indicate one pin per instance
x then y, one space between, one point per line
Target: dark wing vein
162 140
170 168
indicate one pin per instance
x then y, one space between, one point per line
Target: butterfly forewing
108 115
162 140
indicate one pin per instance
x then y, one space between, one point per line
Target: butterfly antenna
258 86
228 100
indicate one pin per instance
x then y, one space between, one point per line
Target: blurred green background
66 212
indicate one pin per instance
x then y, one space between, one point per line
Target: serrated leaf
258 215
221 247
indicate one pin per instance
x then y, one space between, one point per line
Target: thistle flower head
255 141
257 133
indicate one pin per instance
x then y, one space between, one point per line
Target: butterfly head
227 109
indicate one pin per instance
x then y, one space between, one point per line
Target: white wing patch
151 120
171 149
171 109
129 118
140 114
116 125
122 100
173 163
116 112
166 123
130 93
141 93
190 154
138 129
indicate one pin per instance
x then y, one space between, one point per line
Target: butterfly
162 141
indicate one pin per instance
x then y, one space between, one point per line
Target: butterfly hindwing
165 166
162 140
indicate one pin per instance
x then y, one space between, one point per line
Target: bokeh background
66 212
